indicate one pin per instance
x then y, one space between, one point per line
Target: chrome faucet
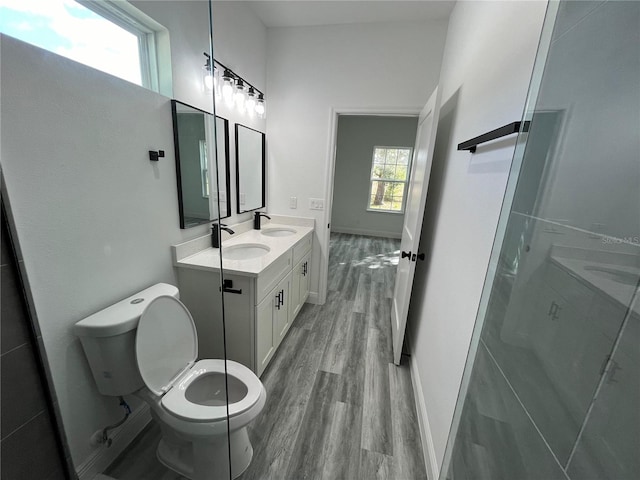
215 233
256 219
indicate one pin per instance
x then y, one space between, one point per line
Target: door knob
406 255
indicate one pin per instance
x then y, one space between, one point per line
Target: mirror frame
176 144
238 210
227 163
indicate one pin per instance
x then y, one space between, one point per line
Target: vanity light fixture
236 91
260 106
251 102
208 78
228 87
240 96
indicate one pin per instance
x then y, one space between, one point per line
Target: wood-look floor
337 407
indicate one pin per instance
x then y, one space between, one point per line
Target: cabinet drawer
269 278
302 247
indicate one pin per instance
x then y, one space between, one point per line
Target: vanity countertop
209 258
602 277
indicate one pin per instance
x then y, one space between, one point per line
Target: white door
414 211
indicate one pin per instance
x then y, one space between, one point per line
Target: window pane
403 156
379 155
401 173
386 196
392 155
67 28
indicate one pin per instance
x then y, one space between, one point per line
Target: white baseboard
365 231
313 298
102 457
428 449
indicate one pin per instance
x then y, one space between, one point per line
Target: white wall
240 43
486 68
311 70
94 217
357 136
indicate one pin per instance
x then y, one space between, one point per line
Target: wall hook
153 155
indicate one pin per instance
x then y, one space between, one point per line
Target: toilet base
208 460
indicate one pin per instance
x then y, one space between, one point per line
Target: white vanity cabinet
299 285
300 275
272 323
259 308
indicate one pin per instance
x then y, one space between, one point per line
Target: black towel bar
492 135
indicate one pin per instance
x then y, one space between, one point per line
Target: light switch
293 202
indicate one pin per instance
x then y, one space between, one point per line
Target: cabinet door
304 280
281 309
299 286
294 297
265 339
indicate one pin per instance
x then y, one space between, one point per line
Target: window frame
376 179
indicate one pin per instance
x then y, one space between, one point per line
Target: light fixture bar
238 77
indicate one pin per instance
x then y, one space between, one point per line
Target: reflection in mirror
250 166
198 190
222 160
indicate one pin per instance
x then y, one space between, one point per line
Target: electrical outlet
293 202
316 204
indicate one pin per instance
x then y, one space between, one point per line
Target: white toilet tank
108 338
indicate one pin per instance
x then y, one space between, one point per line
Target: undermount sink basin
610 273
278 232
244 251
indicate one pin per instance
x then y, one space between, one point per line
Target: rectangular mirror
250 169
199 193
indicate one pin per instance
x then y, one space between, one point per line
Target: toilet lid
166 343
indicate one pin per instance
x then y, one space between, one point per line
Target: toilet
147 345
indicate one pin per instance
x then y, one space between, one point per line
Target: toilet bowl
192 396
196 403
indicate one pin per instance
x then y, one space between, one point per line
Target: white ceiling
294 13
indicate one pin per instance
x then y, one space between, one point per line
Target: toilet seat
176 402
166 349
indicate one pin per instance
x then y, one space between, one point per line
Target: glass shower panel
560 337
96 224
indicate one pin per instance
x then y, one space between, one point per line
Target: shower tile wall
29 446
555 386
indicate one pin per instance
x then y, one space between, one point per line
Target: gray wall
357 135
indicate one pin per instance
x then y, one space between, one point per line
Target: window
204 169
389 179
97 33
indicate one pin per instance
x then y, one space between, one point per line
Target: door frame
329 177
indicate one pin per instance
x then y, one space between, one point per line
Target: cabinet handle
280 299
614 368
227 287
554 309
304 269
